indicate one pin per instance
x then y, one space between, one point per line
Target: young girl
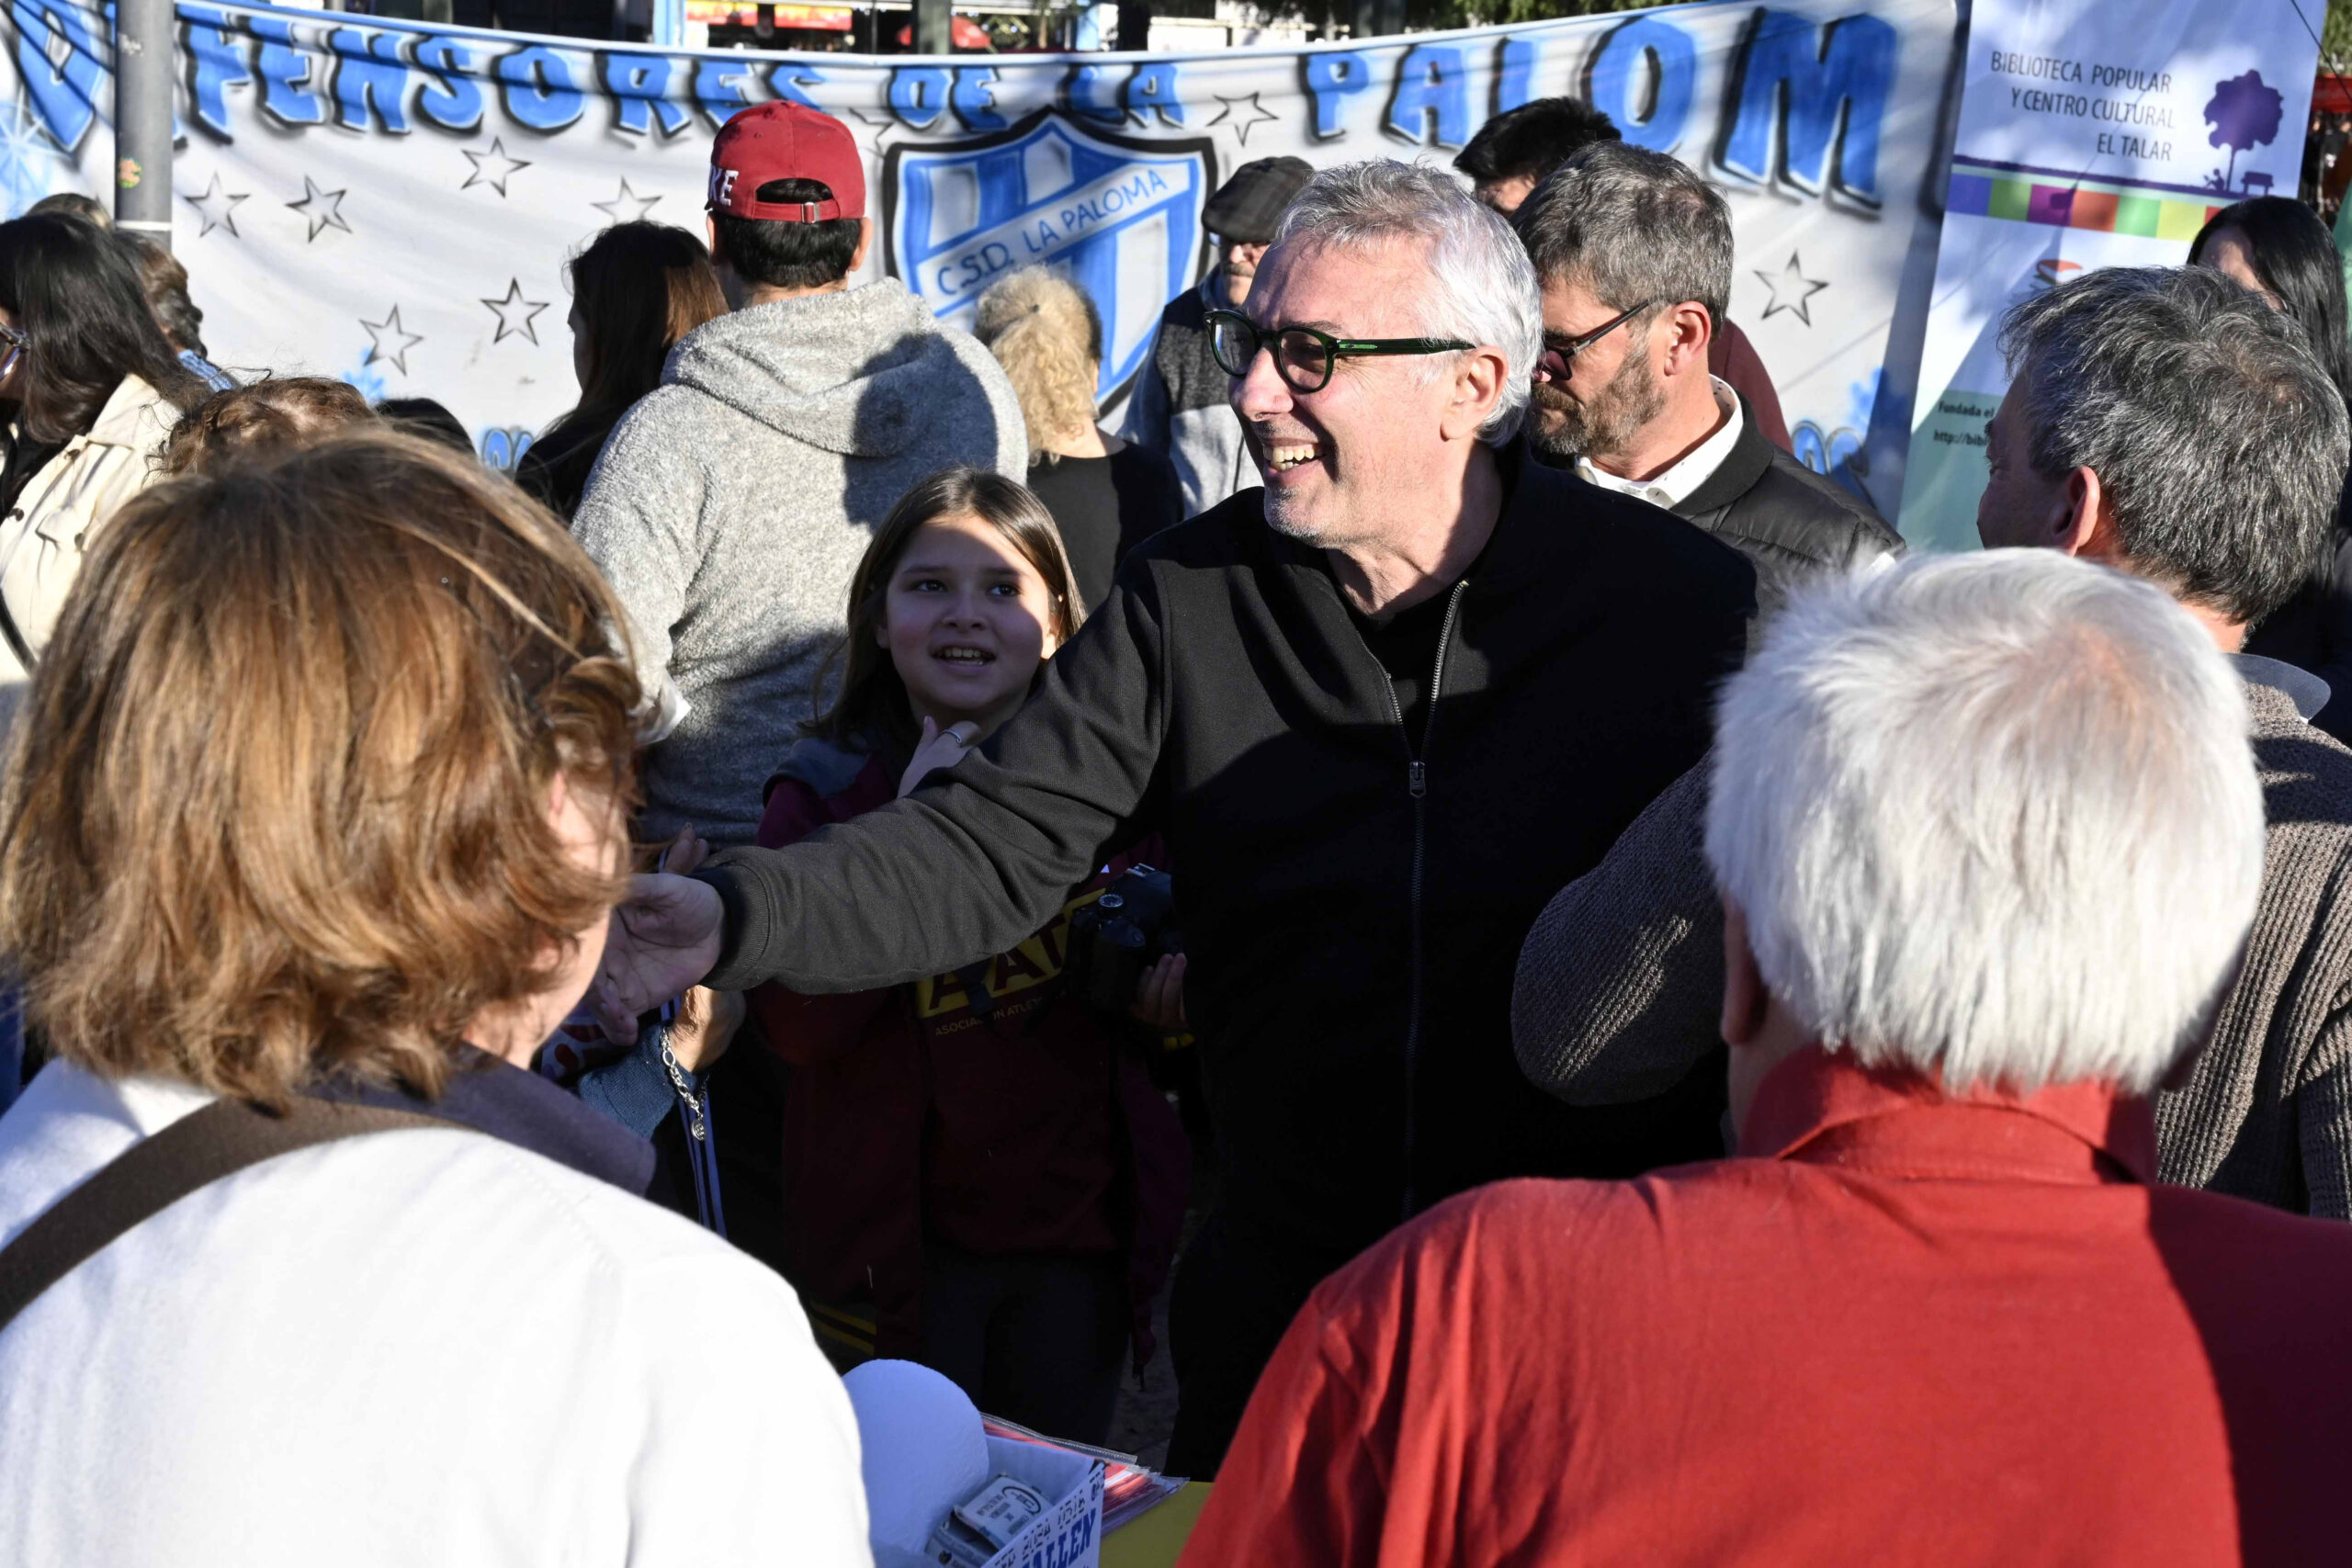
977 1159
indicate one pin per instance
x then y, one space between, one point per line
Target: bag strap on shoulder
154 1173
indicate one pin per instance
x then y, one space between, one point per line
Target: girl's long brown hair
872 710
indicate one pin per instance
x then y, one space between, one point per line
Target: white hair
1482 288
1993 816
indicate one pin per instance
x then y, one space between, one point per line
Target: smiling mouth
962 654
1284 455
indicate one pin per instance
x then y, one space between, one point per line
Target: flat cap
1249 205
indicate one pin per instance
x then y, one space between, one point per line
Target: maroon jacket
1020 1125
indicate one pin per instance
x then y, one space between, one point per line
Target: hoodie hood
847 372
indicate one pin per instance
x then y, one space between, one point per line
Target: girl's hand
1159 996
937 749
704 1027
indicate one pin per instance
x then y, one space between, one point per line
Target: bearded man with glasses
1379 709
1634 253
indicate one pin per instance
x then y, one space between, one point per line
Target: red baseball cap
783 141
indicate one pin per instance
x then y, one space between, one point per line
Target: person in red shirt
1989 842
977 1159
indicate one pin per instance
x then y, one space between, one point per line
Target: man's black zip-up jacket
1352 908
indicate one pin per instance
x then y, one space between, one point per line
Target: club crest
1119 214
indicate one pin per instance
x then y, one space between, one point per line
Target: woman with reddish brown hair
636 290
316 806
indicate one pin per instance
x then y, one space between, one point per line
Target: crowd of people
1684 1034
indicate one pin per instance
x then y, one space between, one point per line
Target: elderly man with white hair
2169 424
1989 844
1379 710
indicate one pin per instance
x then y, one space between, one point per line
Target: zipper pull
1416 779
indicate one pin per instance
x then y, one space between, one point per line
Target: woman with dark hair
89 387
2279 249
636 290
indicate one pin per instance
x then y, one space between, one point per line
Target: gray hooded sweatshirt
732 505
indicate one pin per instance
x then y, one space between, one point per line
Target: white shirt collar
1680 483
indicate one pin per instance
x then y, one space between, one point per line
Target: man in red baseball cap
732 505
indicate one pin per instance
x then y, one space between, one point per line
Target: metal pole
935 26
142 118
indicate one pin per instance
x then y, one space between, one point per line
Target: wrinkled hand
704 1027
937 749
1159 996
665 936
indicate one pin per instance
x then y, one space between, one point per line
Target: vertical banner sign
395 203
2092 133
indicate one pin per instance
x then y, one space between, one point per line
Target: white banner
2092 133
393 203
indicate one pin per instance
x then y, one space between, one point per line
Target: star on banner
493 168
30 155
627 208
1243 113
322 208
506 310
1792 291
388 339
216 208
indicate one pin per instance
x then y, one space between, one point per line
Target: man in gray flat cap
1179 405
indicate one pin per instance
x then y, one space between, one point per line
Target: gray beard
1562 428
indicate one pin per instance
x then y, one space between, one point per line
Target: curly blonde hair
1045 332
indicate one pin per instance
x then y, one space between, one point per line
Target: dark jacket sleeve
975 862
1619 985
2335 663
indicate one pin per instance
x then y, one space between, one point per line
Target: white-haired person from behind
1989 841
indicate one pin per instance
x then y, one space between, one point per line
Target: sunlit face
1339 462
2018 506
1613 389
1241 268
2228 253
966 620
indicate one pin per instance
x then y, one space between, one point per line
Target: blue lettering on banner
539 90
1089 92
1515 71
718 88
451 98
1114 213
1431 84
64 92
639 85
1844 77
1330 78
788 81
368 70
1152 90
1616 84
217 62
919 95
288 73
974 98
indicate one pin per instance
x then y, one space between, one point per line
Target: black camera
1113 939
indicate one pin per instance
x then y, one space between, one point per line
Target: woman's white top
412 1348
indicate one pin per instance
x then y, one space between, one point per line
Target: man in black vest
1633 252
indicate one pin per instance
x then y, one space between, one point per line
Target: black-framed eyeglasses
1305 357
1558 357
15 340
